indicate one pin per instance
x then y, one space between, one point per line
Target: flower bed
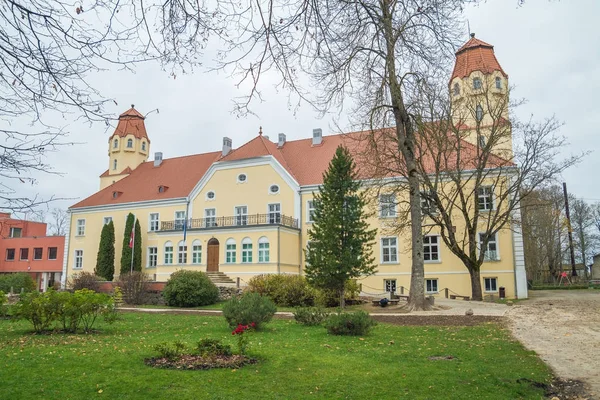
197 362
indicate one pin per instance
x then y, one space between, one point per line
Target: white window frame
488 198
230 251
80 227
498 82
241 219
429 283
430 246
153 223
168 253
245 180
181 253
106 220
387 209
14 254
41 256
210 220
21 258
247 250
490 279
276 192
274 216
78 259
55 256
389 246
477 83
115 144
130 143
179 221
196 252
152 257
310 209
264 251
489 254
207 198
12 232
390 285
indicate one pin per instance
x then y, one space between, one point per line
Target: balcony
237 221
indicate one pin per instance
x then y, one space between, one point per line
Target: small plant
190 289
3 301
353 324
85 280
16 282
248 308
242 332
134 286
170 351
284 290
213 348
117 296
310 316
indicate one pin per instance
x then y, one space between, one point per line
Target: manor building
246 211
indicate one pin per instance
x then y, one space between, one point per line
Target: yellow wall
126 157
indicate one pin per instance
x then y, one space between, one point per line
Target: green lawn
296 362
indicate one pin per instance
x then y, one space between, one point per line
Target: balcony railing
232 221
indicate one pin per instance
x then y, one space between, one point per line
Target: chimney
473 34
226 146
281 140
317 136
157 158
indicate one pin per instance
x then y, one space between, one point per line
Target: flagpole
133 242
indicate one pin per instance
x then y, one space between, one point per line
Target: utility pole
573 270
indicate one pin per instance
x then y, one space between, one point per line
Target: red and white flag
132 236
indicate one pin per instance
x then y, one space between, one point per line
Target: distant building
596 267
25 247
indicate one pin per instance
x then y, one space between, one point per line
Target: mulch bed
195 362
561 389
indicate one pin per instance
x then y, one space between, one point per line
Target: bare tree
582 222
59 219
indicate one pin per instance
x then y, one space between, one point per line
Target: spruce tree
341 243
105 261
126 252
137 247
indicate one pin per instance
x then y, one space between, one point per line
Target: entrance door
212 261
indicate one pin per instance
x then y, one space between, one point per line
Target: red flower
252 324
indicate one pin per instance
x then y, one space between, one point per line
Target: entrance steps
219 278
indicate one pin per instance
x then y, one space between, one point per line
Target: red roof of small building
475 55
131 122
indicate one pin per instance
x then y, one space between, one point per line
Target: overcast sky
549 49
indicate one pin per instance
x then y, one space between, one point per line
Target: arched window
116 143
181 253
115 164
247 250
168 253
196 252
479 113
143 146
263 250
230 251
129 143
476 83
498 83
456 89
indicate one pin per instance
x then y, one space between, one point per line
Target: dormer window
114 164
210 195
115 144
498 83
456 89
143 146
115 194
162 189
242 178
479 113
129 143
476 83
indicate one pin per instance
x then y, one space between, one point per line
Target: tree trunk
416 299
342 298
476 293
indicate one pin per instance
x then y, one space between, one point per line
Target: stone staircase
219 278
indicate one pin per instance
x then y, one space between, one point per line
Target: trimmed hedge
190 289
352 324
249 307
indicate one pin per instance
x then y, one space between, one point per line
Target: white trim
148 256
519 256
150 222
269 211
77 234
75 260
235 214
245 180
497 241
435 273
483 278
437 286
227 230
380 210
381 251
274 193
63 278
439 251
130 205
308 221
206 198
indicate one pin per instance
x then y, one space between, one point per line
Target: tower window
114 164
143 146
129 143
456 89
476 83
115 144
479 113
498 83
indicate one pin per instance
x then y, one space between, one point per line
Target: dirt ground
563 327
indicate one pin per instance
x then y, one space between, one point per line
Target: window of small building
37 253
24 254
16 232
10 254
52 253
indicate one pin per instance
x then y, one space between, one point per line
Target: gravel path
563 327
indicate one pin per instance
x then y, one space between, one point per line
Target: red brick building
24 247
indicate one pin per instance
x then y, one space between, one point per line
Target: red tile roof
131 122
475 55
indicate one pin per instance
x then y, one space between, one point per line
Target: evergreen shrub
190 289
247 308
17 281
284 290
310 316
350 324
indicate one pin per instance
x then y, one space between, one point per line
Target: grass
219 306
296 362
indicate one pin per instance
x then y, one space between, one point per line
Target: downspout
300 236
63 278
278 251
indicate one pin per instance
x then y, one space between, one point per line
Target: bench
455 296
390 302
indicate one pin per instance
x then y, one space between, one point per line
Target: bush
134 287
310 316
284 290
3 301
331 298
354 324
213 347
85 280
16 282
71 310
170 351
248 308
190 289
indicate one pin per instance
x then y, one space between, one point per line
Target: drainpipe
63 278
300 236
278 251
